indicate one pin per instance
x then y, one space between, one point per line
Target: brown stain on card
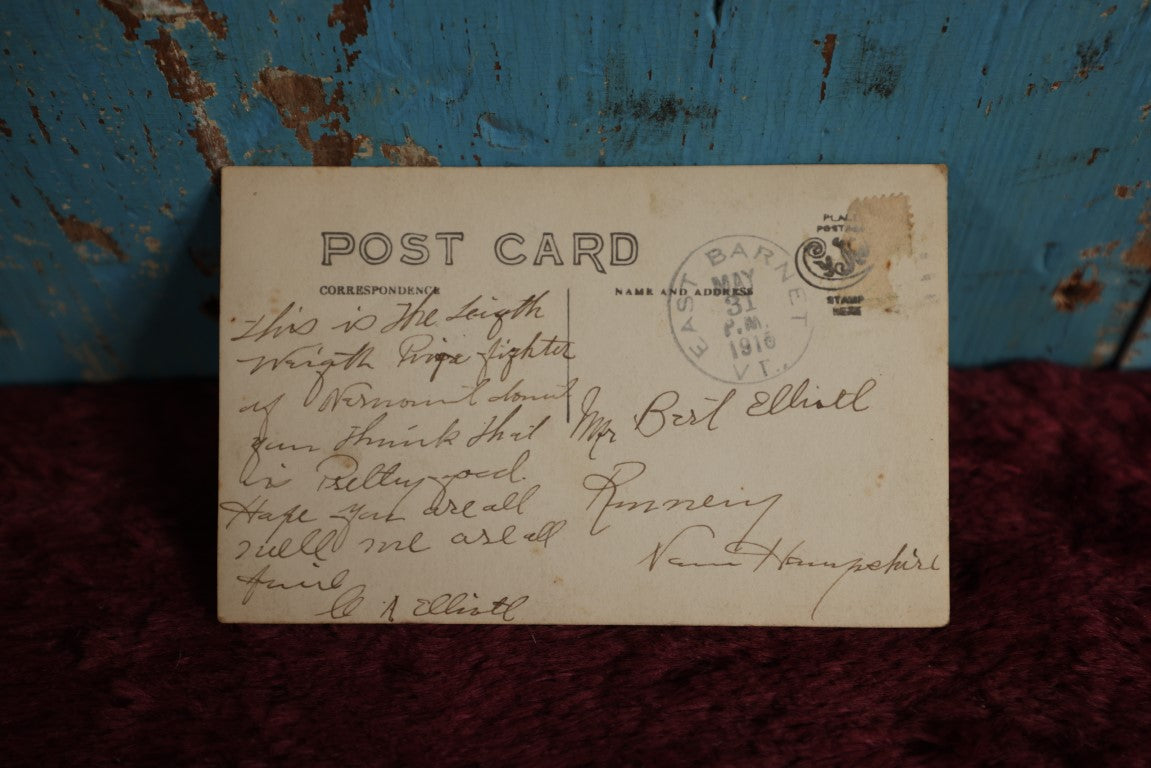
880 233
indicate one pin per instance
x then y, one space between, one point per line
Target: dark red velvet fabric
112 653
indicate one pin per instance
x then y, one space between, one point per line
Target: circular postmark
738 311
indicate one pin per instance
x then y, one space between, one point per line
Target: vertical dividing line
568 360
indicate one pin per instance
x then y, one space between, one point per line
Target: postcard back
584 396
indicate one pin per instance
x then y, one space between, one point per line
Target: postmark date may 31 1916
738 310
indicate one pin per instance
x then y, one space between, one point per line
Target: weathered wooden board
117 114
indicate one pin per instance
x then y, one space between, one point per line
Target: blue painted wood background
117 115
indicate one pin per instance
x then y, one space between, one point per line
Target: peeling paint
421 92
1090 54
1127 191
211 145
337 148
79 232
175 12
130 20
40 123
1139 254
300 100
828 53
353 15
1074 292
1103 251
409 153
186 85
148 141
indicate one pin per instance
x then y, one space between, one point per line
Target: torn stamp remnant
876 235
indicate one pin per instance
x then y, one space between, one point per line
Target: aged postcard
584 396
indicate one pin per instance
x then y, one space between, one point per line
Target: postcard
698 396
